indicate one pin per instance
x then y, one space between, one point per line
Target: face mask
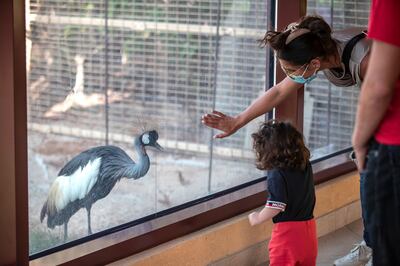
300 79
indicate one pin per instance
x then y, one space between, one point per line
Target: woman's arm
261 105
265 214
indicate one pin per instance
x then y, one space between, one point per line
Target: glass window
329 111
108 73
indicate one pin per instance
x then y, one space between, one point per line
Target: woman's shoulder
360 49
358 53
345 35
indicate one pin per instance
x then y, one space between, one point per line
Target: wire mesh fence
104 71
159 69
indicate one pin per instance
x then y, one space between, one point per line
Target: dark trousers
382 202
364 210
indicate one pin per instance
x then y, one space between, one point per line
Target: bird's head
149 138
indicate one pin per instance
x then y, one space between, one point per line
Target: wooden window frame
13 141
115 245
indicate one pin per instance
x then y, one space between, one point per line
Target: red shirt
384 25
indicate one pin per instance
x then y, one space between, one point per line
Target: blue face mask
301 79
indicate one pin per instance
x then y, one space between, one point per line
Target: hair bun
316 25
302 41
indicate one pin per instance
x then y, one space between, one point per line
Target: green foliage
89 8
323 2
71 30
244 6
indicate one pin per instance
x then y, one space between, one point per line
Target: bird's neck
141 167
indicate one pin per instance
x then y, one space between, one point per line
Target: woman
303 49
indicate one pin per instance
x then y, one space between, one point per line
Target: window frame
14 227
119 244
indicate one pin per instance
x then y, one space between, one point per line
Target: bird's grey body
91 176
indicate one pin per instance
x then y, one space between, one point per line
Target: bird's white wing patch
75 186
146 139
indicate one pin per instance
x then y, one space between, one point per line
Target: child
280 148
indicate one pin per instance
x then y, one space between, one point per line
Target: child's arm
262 216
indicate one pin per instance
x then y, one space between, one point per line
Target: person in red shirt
376 137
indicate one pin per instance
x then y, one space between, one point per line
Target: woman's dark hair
279 145
302 49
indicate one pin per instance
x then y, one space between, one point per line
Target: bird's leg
88 215
65 231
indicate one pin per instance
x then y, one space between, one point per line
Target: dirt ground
173 179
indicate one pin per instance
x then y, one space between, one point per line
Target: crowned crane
91 176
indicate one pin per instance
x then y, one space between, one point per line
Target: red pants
293 244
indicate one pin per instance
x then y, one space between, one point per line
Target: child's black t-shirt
292 192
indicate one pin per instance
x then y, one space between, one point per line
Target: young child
280 148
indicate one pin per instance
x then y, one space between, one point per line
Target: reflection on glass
104 74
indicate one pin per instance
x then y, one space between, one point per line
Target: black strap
349 48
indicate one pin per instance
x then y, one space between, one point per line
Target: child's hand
253 218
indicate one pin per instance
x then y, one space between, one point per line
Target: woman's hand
263 104
220 121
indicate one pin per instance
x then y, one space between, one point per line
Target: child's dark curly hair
279 145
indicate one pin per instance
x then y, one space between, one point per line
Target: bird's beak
158 146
